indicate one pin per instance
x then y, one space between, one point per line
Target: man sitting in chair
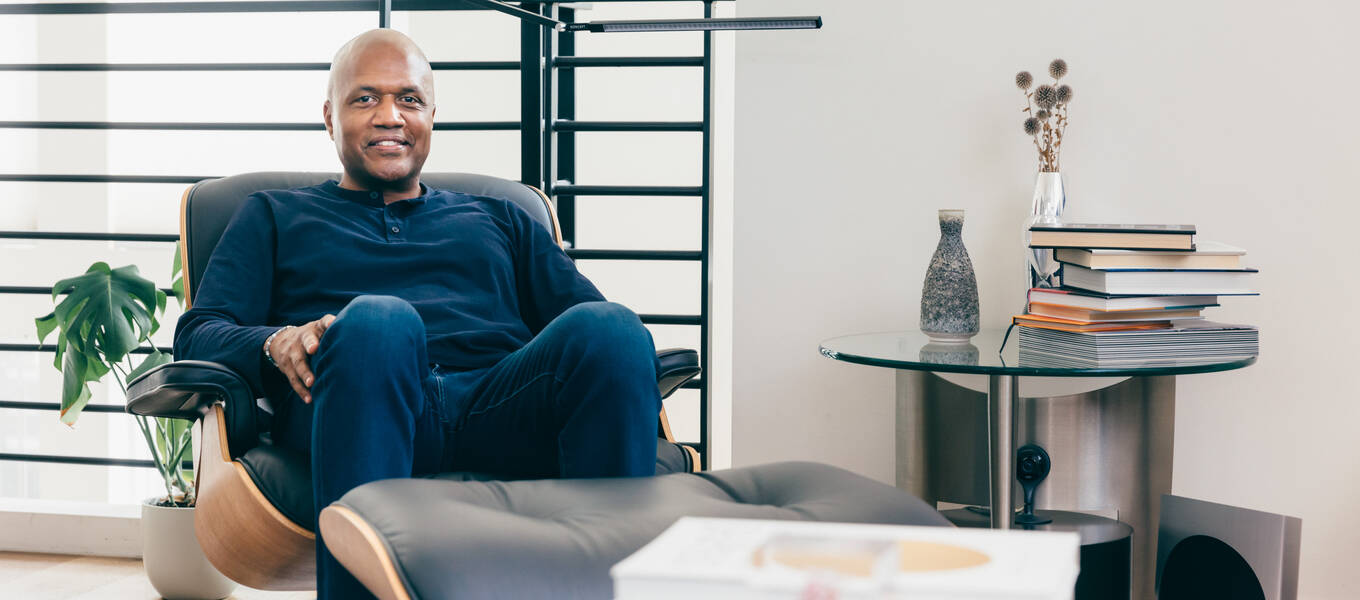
403 330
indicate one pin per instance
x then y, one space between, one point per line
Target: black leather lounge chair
454 535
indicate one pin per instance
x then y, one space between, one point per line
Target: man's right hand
292 349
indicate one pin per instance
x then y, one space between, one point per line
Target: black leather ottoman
440 538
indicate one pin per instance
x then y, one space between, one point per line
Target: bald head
389 43
380 109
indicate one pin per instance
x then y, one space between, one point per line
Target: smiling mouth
389 147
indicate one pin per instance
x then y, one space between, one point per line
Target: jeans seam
507 397
441 408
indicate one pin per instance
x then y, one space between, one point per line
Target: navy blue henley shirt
483 274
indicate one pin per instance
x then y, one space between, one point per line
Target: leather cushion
284 476
558 538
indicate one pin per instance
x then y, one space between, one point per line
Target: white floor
63 577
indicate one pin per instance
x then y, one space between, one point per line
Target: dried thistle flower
1057 68
1045 96
1046 118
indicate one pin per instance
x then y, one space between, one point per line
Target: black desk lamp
655 25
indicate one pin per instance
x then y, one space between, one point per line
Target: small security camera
1031 468
1031 464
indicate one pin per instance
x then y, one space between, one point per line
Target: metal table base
1001 400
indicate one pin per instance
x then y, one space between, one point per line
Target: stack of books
1134 295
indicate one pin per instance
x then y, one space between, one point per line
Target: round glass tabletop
984 354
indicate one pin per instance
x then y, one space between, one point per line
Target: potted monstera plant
104 318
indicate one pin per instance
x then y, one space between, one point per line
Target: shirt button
396 230
373 195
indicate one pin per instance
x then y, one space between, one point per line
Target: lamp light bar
516 11
699 24
654 25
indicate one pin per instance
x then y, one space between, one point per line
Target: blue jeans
579 400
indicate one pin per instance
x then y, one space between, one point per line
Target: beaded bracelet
270 340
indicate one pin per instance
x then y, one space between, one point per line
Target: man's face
380 114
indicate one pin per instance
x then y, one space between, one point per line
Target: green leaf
143 288
177 279
69 415
178 288
112 310
160 309
75 391
140 321
61 352
65 310
106 314
153 360
46 325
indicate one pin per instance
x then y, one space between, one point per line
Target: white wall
1236 116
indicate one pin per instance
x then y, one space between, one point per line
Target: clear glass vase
1050 198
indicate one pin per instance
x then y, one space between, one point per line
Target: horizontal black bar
79 460
56 406
706 24
89 236
573 62
37 289
318 126
84 460
52 348
584 254
105 8
106 178
467 65
628 126
626 190
671 319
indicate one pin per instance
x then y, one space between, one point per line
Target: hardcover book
1150 281
1077 298
1032 320
1206 255
1114 236
1086 315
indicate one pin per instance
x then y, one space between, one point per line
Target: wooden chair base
241 533
353 542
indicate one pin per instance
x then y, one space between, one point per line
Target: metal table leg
1001 403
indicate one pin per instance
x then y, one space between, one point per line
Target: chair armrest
186 389
675 366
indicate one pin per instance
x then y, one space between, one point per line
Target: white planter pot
174 562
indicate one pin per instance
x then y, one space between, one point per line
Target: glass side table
1109 418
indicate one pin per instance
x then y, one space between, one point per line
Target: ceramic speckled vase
949 297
